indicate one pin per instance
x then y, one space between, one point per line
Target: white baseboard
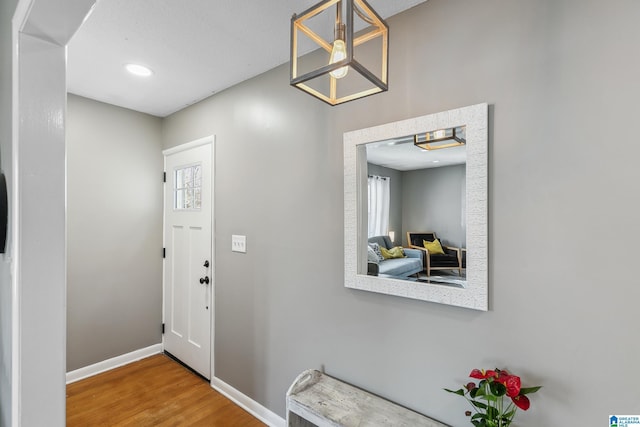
248 404
114 362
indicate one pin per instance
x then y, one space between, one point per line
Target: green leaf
489 398
492 413
480 421
460 392
478 404
498 389
509 414
530 389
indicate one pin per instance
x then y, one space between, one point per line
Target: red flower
511 382
521 401
482 374
470 386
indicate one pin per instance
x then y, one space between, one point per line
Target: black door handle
206 263
204 279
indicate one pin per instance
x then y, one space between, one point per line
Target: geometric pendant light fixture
442 138
339 51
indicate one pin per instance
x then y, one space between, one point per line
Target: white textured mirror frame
475 294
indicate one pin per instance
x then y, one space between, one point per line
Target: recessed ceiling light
139 70
435 161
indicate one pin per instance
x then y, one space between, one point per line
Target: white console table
316 399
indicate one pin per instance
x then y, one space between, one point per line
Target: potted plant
496 398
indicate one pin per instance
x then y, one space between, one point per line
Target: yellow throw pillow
434 247
396 252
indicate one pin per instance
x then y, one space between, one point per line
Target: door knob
204 279
206 263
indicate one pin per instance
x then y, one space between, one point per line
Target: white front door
188 264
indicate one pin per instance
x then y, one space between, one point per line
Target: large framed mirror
416 208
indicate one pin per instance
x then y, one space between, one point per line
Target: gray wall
114 231
395 198
432 200
6 12
561 80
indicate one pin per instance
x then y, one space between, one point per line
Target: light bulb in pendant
338 53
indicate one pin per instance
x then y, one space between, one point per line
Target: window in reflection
378 204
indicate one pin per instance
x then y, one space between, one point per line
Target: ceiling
195 48
401 154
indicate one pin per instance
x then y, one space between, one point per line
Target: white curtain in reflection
379 196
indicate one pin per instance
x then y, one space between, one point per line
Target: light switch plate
239 243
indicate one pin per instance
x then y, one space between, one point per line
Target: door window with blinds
187 188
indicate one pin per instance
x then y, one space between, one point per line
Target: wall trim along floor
248 404
114 362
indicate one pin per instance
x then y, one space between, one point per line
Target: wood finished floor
155 391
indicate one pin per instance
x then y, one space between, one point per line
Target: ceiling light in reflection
139 70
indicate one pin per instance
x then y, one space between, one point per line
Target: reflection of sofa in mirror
398 267
449 260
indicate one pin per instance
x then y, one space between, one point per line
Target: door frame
38 205
207 140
